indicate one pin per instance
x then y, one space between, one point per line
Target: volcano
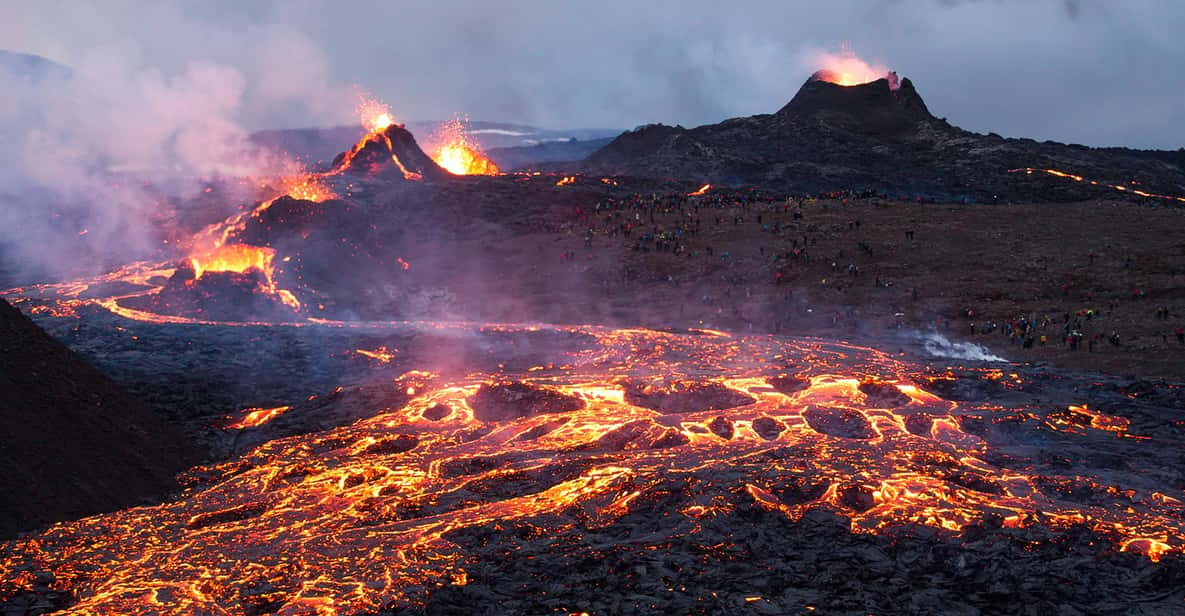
877 137
387 150
884 103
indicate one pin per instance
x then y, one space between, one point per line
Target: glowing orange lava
566 180
457 154
234 258
241 258
366 515
309 188
254 417
1082 180
702 190
845 68
381 354
374 114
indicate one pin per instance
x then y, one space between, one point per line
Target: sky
1092 72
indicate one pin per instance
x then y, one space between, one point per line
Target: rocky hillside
71 442
873 136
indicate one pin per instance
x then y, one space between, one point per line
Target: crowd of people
688 225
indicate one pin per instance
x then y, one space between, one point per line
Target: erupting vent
457 154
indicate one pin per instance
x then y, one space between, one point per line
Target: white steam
93 158
937 345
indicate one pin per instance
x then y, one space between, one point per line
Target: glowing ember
310 188
457 154
702 190
381 354
254 417
845 68
374 114
1078 178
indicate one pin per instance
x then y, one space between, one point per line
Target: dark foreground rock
72 443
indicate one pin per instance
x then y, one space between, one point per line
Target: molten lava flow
1078 178
702 190
845 68
457 154
255 417
566 180
698 427
241 258
381 354
234 258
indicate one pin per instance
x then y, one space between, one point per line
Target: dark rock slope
875 137
71 442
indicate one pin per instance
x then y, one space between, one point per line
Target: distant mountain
551 152
879 137
314 145
30 67
72 443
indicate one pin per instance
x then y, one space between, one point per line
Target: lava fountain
458 155
845 68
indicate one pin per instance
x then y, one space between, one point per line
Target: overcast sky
1093 72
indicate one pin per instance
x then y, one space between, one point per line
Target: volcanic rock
437 412
378 153
883 395
505 401
686 397
768 428
216 296
871 137
789 385
721 427
72 442
844 423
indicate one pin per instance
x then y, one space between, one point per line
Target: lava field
691 471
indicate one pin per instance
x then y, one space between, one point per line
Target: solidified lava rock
671 437
883 395
72 443
506 401
437 412
961 387
233 514
618 438
789 385
217 296
721 427
768 428
797 490
398 444
844 423
471 465
919 424
686 397
856 497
